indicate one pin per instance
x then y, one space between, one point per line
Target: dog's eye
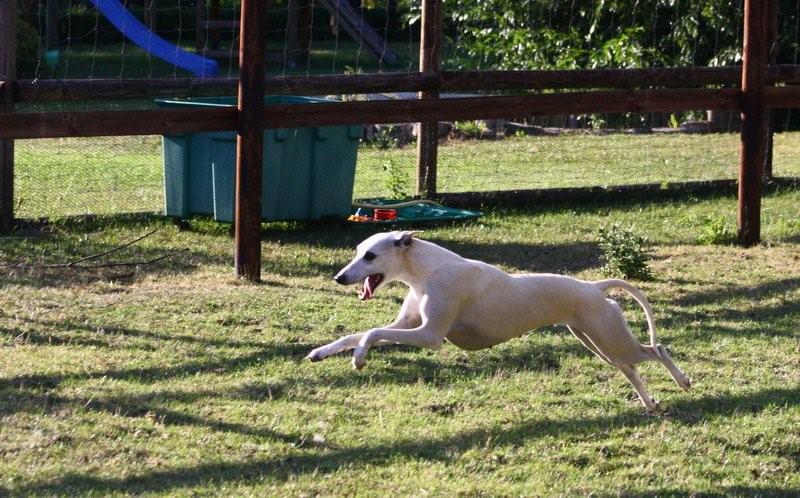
369 256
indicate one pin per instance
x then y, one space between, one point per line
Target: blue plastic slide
151 42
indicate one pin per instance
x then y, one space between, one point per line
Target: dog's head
379 260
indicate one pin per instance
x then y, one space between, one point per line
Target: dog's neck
421 259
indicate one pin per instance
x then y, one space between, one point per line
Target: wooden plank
111 123
104 89
105 123
430 48
754 122
101 89
782 97
507 107
168 121
8 72
250 142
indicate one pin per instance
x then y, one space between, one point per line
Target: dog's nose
339 279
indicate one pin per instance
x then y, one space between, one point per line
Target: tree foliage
564 34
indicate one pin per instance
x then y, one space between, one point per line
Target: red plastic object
385 214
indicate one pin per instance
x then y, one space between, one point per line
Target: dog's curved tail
636 294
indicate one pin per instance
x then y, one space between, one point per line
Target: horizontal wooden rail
168 121
452 81
505 107
103 89
111 123
782 97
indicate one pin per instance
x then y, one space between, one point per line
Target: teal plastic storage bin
308 172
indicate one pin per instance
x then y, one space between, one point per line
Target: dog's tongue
369 287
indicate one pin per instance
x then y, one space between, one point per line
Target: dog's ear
404 239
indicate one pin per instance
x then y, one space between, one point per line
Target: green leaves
508 34
624 253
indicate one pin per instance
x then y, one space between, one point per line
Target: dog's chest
469 338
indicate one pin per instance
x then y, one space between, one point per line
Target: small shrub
384 139
469 129
396 182
716 231
624 253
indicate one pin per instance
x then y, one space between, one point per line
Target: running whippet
475 305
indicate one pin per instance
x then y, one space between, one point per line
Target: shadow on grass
68 240
330 459
59 247
406 366
767 316
108 333
224 363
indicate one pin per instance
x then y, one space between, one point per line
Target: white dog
475 305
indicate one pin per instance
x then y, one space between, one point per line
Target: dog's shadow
400 364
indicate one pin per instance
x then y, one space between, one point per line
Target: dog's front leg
406 319
341 344
412 337
436 318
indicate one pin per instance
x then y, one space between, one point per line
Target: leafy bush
469 129
716 231
624 253
384 139
396 181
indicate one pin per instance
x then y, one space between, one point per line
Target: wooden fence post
8 74
250 141
430 49
754 122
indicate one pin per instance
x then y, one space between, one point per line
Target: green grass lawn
58 177
173 378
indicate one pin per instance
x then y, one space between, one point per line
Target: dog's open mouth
370 284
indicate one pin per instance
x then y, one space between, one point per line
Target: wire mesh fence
118 174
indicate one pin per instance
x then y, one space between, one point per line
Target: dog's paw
654 407
358 363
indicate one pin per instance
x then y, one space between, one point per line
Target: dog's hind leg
636 380
663 357
588 343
